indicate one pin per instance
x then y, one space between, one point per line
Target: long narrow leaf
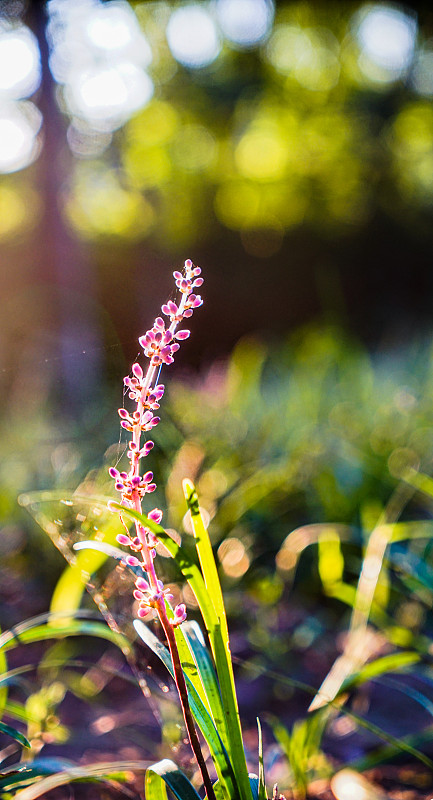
167 773
221 760
61 629
9 731
219 638
207 674
195 579
111 771
262 784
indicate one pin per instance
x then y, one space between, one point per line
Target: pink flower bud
188 264
123 475
155 515
172 307
147 477
177 275
132 561
143 612
187 313
136 369
198 282
137 594
159 323
196 271
123 413
182 334
151 487
122 539
113 472
142 584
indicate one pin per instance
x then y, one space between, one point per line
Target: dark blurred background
288 149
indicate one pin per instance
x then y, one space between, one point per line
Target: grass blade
207 675
9 731
219 639
204 721
220 646
167 773
262 783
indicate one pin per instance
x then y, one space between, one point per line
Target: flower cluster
159 344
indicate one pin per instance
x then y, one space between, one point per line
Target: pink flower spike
136 369
142 584
132 561
182 335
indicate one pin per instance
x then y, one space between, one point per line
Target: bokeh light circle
192 36
245 22
20 69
